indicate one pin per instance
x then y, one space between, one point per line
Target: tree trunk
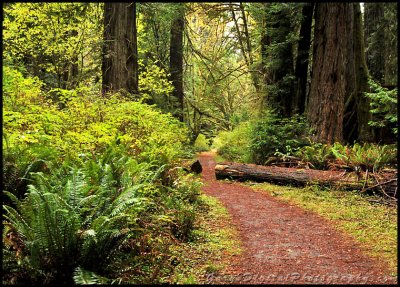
357 72
176 58
264 42
391 43
279 81
301 177
303 50
71 69
374 36
245 45
328 84
119 63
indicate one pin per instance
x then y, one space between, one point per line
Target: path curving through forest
285 244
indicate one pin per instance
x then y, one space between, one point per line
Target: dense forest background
98 94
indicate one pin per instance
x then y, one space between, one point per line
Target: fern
85 277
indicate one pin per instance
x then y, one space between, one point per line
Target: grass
214 241
373 225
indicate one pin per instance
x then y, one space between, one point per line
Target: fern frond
85 277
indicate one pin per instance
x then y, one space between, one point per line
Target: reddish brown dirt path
283 243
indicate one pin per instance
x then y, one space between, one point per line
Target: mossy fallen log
302 177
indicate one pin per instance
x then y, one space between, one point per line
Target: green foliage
316 155
201 143
272 134
48 38
154 86
234 145
368 156
83 217
87 123
383 106
83 175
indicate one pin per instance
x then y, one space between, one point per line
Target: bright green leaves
77 121
383 106
272 134
49 37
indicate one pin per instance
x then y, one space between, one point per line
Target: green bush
368 156
271 134
201 143
84 185
81 218
316 155
87 122
383 106
234 145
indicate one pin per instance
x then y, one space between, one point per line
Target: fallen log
303 177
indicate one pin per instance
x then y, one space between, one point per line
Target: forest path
283 243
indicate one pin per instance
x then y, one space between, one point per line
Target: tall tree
391 44
176 57
381 42
328 85
357 115
120 64
278 57
57 42
374 36
303 50
240 20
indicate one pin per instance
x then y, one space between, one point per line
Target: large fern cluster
79 220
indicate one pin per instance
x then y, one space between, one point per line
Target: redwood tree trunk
357 106
176 59
328 84
374 36
119 64
280 84
303 50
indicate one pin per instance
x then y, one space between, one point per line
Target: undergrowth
89 196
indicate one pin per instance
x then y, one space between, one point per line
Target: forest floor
282 243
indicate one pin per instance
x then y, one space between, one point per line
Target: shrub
81 220
272 134
368 156
317 155
234 145
383 106
84 184
201 144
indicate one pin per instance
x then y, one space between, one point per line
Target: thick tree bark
176 59
303 50
119 64
328 84
283 176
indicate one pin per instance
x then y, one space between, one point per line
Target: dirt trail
283 243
